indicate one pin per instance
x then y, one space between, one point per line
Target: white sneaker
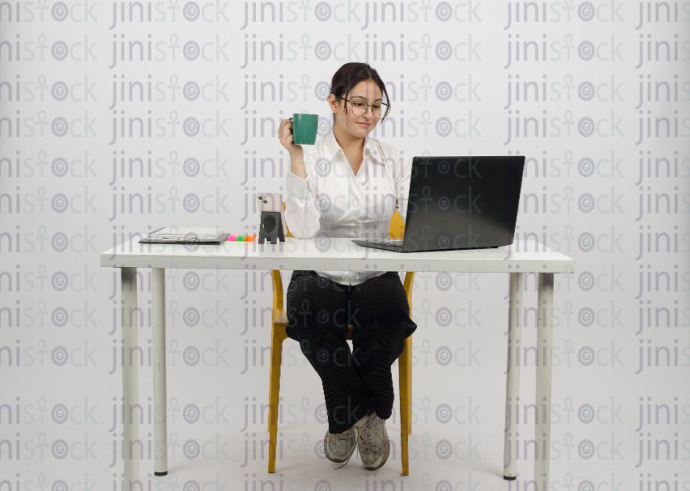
339 447
373 443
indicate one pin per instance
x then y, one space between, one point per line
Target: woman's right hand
287 139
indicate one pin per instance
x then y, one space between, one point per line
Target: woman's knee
310 302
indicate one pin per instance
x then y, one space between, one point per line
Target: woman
349 185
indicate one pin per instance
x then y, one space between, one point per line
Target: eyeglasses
360 108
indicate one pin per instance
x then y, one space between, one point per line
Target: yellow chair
278 335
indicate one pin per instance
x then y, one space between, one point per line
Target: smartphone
273 202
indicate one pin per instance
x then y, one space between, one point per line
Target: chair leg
409 385
277 337
404 371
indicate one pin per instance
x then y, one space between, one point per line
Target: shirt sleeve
402 176
301 214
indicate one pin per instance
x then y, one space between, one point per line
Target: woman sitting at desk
349 185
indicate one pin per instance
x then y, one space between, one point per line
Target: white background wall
587 192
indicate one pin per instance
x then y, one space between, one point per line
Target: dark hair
349 75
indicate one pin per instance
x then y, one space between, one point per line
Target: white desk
335 254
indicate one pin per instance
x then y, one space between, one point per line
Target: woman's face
365 91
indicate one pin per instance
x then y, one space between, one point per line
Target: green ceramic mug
304 128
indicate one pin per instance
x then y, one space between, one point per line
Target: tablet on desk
185 235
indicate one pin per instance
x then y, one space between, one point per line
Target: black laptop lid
462 202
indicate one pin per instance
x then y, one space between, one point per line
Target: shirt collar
331 147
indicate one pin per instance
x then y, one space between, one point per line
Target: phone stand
271 227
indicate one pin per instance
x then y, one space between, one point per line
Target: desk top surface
336 254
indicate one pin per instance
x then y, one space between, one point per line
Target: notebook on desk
458 203
185 235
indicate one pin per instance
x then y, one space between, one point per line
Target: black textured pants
354 382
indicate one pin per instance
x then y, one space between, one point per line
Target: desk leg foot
515 307
160 397
130 378
543 398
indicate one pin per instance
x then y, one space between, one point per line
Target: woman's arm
297 165
301 214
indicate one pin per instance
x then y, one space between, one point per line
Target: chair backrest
395 231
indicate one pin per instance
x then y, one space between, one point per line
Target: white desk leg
160 392
513 377
130 378
543 400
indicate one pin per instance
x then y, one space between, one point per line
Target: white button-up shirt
334 201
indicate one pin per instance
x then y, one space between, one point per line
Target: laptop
458 203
